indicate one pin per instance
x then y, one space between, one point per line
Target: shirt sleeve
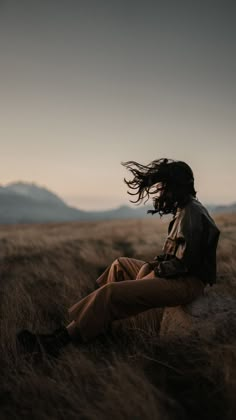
189 240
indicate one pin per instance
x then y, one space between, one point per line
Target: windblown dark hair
176 177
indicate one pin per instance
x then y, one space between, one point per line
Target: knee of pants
118 260
116 263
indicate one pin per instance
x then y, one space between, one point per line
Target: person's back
210 237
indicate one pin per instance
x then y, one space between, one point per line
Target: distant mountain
22 202
33 191
29 203
17 208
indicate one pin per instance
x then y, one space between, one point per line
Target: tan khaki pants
122 294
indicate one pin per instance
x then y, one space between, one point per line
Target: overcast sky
87 84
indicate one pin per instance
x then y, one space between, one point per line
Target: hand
144 270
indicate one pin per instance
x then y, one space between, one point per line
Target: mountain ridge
22 202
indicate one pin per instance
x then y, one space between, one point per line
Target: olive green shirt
190 247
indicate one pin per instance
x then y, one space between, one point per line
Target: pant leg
122 268
114 301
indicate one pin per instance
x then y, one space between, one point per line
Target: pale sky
87 84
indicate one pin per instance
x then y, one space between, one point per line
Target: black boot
51 344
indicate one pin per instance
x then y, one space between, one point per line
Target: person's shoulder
192 207
195 205
200 211
189 215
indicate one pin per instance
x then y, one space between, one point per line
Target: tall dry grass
127 374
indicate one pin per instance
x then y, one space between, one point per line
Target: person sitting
130 286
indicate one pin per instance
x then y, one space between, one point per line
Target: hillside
35 192
128 374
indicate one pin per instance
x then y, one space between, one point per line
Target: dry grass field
128 374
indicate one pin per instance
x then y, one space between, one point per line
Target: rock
210 315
